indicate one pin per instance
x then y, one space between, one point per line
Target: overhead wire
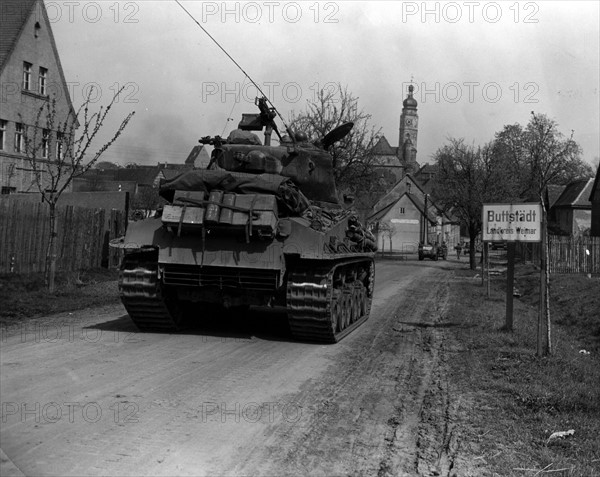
236 64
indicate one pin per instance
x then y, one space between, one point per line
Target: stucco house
413 217
31 75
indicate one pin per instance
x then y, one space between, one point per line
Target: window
43 81
402 210
27 75
60 154
19 141
45 143
8 190
2 134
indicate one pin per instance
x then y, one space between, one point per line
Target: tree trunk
545 247
472 238
51 250
544 346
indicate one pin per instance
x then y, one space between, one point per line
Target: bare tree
549 155
54 173
538 155
353 160
388 230
469 176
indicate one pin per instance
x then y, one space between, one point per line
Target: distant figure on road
458 250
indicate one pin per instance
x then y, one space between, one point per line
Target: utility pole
425 232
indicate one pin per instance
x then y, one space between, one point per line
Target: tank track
326 303
140 291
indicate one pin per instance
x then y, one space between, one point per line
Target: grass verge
24 296
517 400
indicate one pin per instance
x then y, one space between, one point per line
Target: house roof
553 193
383 148
13 17
142 175
194 153
419 204
395 192
427 169
168 174
596 187
576 194
381 212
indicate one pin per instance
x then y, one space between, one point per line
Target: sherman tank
261 226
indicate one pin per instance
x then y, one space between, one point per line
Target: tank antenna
241 69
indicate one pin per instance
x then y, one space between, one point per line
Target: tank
262 226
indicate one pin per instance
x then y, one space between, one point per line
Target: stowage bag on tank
207 180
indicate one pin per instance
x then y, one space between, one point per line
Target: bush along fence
566 254
82 241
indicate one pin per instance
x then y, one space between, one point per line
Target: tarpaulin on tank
308 166
206 180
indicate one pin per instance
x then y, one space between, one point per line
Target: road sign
512 222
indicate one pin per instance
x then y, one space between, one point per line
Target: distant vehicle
499 245
428 251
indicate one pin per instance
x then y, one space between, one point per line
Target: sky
475 65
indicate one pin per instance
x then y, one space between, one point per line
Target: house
386 161
129 179
595 201
198 158
407 215
31 76
425 176
573 209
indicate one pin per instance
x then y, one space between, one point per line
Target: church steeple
410 102
407 141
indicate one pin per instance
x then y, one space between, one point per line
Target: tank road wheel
337 317
346 309
149 306
324 308
357 299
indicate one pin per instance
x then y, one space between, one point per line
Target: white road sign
512 222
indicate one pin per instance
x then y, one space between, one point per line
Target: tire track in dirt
364 405
406 453
373 401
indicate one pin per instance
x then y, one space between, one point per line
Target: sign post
511 223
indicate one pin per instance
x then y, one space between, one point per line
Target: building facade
407 215
31 77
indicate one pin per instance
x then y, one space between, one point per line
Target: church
407 214
396 162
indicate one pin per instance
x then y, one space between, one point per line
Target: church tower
409 127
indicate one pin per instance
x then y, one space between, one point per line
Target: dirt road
85 394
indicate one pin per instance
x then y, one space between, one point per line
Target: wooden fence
82 242
566 254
